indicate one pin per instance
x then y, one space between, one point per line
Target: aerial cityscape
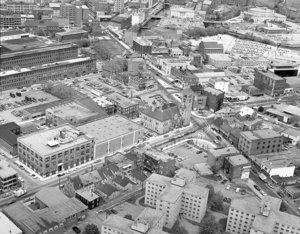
150 116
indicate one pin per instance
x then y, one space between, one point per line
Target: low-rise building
260 142
220 83
50 212
148 221
123 183
107 191
251 215
141 80
89 198
124 105
184 76
261 14
54 150
174 196
210 47
113 134
71 36
219 60
8 176
237 167
281 167
121 21
178 63
142 45
291 135
181 12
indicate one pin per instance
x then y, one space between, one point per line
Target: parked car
113 211
227 199
34 176
223 181
263 193
228 187
256 187
76 229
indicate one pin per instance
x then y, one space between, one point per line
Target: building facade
142 46
30 58
173 196
8 176
56 150
270 83
237 167
260 142
25 77
215 98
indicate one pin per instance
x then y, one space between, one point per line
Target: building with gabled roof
161 119
123 182
107 191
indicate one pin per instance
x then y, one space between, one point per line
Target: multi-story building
149 221
52 151
124 105
237 167
178 63
158 162
215 98
72 113
162 119
270 83
181 12
185 77
71 36
76 14
34 57
118 6
24 77
9 133
198 97
10 21
174 196
20 7
113 134
142 46
141 80
260 142
8 176
210 47
219 60
251 215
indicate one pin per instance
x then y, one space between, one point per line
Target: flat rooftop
260 134
44 66
72 109
88 195
6 171
143 41
159 155
119 223
37 50
271 75
238 160
120 100
49 141
11 33
7 226
223 57
73 32
109 128
224 151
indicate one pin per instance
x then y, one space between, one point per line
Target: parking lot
11 107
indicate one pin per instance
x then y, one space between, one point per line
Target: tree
217 202
102 52
91 229
69 189
209 225
177 229
283 207
128 216
261 109
211 192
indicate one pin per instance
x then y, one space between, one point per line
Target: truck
19 192
263 177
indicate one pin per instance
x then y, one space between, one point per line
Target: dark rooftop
7 135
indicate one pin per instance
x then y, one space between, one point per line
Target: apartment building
34 57
174 196
10 21
260 142
20 7
215 98
76 14
8 176
251 215
23 77
54 150
270 83
118 6
124 105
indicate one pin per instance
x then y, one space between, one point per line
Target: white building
281 167
219 60
260 14
181 12
176 52
178 63
118 6
174 196
7 226
220 84
138 17
251 215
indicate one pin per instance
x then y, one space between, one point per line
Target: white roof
7 226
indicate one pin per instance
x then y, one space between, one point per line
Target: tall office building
251 215
174 196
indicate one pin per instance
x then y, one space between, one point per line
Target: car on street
11 201
223 181
76 229
34 176
256 187
271 186
228 187
20 179
263 192
113 211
